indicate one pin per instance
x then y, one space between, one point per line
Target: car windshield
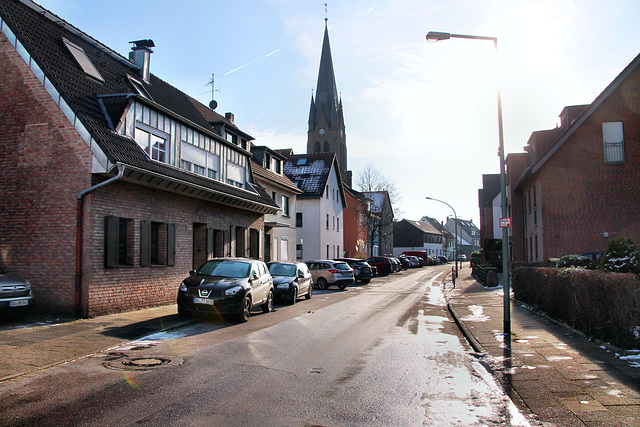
225 268
287 270
342 266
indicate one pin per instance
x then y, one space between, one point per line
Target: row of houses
576 187
116 183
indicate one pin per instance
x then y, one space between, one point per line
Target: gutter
80 310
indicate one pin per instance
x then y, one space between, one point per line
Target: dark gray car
291 280
16 296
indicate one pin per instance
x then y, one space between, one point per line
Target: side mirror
254 275
300 275
192 272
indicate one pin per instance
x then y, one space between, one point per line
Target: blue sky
424 114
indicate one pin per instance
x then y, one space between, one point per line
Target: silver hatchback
327 272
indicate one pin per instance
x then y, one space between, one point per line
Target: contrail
249 63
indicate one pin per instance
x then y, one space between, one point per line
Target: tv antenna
213 104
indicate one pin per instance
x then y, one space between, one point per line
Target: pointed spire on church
326 91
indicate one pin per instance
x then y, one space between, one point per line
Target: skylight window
140 88
83 61
302 161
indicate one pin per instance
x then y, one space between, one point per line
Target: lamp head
434 36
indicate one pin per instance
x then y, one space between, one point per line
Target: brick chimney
140 55
230 117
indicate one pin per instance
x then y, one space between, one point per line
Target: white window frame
613 140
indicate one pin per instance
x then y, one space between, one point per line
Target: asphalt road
379 354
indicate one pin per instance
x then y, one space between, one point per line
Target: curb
477 347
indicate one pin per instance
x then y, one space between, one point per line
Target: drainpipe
80 310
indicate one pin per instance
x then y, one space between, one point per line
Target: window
154 145
535 208
235 175
327 221
199 169
277 166
157 243
613 137
273 195
298 219
285 205
118 242
328 256
200 161
83 61
338 223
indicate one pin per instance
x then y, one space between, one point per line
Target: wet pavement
547 368
556 373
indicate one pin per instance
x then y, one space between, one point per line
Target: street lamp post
434 36
455 228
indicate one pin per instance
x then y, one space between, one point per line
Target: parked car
16 295
327 272
383 264
415 261
361 269
443 259
406 262
227 286
396 264
291 280
462 257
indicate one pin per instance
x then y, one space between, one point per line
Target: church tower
326 132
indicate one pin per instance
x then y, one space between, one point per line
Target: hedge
600 304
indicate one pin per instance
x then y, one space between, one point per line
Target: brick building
356 244
115 183
580 185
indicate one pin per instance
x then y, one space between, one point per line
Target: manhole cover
126 363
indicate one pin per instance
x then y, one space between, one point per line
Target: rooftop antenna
213 104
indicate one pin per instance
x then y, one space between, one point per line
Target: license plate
206 301
19 303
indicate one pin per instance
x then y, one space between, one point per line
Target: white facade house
280 228
319 215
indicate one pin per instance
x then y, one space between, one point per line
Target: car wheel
342 286
309 291
268 306
244 314
184 314
366 281
322 283
294 296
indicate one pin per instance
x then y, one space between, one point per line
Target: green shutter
145 243
111 241
171 244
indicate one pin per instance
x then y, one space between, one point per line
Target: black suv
361 269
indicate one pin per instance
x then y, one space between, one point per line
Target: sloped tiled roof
309 172
424 227
101 104
281 180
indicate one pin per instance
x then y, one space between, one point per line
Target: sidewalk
556 373
38 346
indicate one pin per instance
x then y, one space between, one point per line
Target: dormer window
83 60
153 143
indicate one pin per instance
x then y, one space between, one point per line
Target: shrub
621 256
578 261
493 253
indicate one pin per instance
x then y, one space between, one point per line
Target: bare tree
378 216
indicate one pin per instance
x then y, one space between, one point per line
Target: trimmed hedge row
602 305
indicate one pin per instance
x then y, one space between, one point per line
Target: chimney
140 55
230 117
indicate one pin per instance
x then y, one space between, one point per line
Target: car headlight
283 286
183 287
233 291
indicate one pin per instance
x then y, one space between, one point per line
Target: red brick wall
44 164
580 197
128 288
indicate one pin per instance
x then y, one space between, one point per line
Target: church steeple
326 120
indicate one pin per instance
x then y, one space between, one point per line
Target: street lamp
434 36
456 230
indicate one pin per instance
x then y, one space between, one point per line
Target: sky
423 114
